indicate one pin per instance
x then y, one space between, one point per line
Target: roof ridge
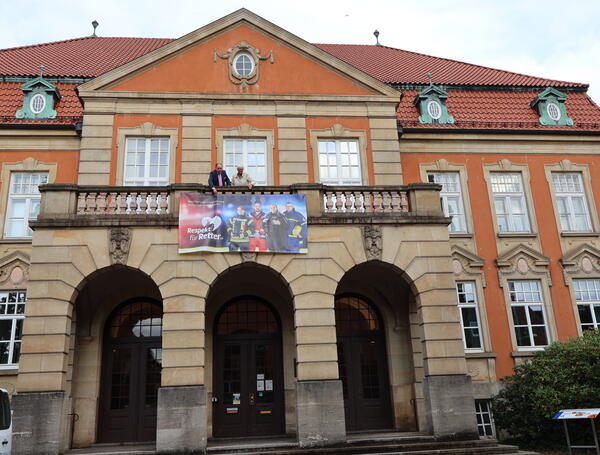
459 61
81 38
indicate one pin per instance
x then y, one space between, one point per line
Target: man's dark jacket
213 179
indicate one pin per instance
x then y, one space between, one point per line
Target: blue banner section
274 223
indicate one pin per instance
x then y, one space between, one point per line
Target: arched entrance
362 363
131 368
248 373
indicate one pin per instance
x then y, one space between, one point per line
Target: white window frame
484 408
526 304
459 220
35 97
230 164
14 317
568 197
28 198
506 198
146 180
475 305
322 143
592 303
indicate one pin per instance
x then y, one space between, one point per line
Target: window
434 109
527 306
571 202
243 64
509 202
146 161
469 316
37 103
587 296
23 202
553 111
339 162
12 314
250 153
452 200
485 419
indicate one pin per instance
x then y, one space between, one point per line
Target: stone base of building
37 422
320 413
181 422
450 407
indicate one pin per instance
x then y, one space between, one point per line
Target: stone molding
373 242
119 242
244 48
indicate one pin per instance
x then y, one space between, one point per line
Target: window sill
15 240
480 355
9 371
580 234
516 235
528 353
461 235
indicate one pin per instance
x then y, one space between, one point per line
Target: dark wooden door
131 368
362 365
248 376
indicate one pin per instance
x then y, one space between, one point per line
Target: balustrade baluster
338 201
348 196
143 202
367 202
404 202
328 202
377 200
81 198
112 202
164 203
90 203
101 202
153 203
123 203
387 201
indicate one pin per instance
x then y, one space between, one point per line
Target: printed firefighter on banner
243 222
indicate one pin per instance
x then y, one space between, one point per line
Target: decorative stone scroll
373 242
523 262
118 247
243 48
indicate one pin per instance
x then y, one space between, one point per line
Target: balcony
85 206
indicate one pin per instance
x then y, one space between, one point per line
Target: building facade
452 232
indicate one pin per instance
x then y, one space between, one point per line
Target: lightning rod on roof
376 33
430 77
95 25
42 68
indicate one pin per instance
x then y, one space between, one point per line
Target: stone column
182 413
319 397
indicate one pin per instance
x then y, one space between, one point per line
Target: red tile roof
501 110
477 109
79 57
397 66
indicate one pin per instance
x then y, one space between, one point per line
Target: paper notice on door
236 398
269 384
232 410
260 386
260 376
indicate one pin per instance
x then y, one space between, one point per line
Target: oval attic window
37 103
243 64
553 111
434 109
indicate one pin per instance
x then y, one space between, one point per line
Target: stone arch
392 292
93 300
265 283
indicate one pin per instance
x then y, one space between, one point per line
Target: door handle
251 399
4 442
215 400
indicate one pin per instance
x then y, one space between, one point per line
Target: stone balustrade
73 204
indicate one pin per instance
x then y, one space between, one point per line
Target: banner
274 223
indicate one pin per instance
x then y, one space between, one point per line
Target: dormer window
39 99
551 108
431 102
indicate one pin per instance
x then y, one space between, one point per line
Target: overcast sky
554 39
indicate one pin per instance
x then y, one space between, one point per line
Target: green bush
563 376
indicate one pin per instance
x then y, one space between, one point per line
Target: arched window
355 314
141 319
247 315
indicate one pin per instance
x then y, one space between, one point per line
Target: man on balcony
218 178
242 179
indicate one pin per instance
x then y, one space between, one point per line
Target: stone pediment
511 258
584 258
465 256
204 62
14 267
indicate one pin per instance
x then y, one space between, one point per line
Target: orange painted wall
67 162
352 123
135 120
195 71
261 123
486 239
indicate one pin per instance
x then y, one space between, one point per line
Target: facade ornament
373 242
249 256
243 60
118 247
14 269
